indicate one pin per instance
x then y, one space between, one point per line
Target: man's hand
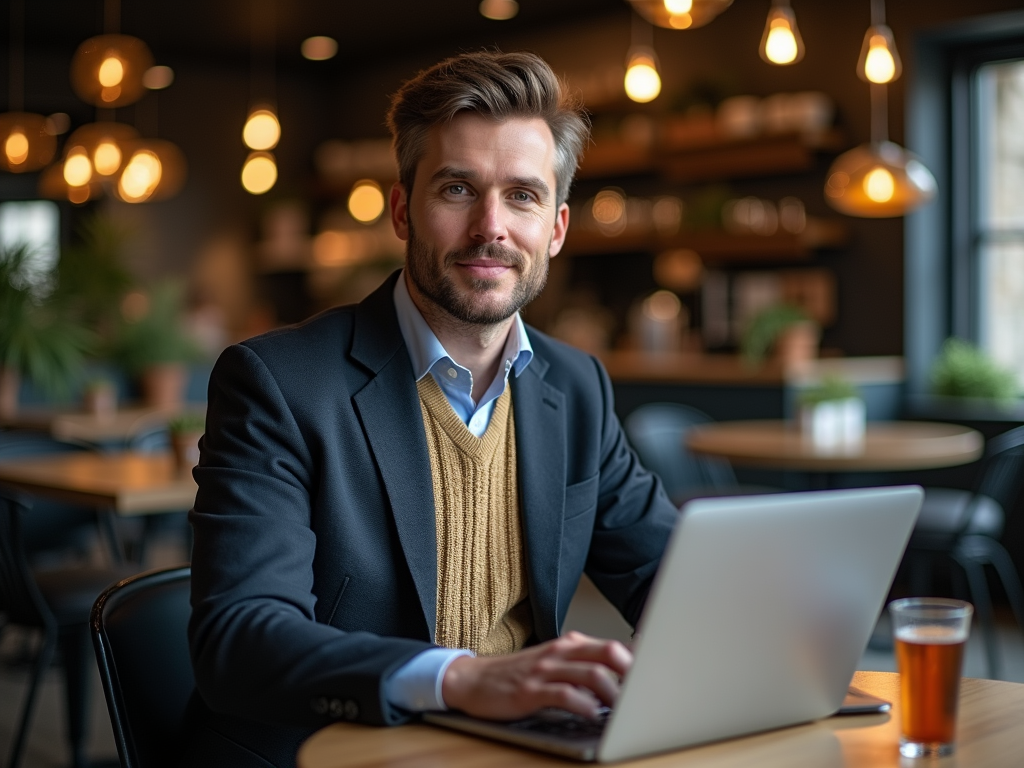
574 672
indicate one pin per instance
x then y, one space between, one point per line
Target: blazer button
336 708
319 705
351 710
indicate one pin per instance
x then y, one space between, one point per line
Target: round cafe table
887 446
989 735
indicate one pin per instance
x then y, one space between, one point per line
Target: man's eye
456 189
521 197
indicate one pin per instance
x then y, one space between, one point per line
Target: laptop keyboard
558 722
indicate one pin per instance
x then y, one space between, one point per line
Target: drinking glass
930 634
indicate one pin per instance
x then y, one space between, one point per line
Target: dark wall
204 110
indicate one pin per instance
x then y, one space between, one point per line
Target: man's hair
496 85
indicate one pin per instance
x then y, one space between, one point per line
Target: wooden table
127 483
887 447
990 735
116 428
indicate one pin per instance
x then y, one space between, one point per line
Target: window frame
942 272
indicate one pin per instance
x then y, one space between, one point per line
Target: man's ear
400 210
560 230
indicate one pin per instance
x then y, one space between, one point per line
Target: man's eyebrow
450 172
530 182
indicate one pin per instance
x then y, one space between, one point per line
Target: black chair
54 529
658 434
965 526
139 630
55 602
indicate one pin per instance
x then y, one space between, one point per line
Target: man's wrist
416 686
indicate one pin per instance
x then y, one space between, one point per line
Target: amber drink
930 634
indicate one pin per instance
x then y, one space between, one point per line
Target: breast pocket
580 498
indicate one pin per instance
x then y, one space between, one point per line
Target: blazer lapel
540 457
390 411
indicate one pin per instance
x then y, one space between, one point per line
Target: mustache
503 255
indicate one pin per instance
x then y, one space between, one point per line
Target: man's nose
488 221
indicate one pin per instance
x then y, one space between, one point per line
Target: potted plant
38 337
152 344
832 414
785 328
100 397
185 431
965 372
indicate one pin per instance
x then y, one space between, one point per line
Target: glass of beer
930 634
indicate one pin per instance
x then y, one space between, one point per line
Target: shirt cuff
416 685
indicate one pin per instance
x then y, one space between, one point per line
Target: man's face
482 219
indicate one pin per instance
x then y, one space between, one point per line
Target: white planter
834 423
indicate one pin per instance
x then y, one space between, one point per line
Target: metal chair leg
42 663
983 608
75 649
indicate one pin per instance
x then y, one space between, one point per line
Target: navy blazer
314 568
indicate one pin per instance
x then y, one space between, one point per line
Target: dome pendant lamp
108 71
679 14
880 179
25 142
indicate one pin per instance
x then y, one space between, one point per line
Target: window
34 224
964 265
999 160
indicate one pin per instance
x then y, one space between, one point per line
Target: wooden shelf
716 246
708 156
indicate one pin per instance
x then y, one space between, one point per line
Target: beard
432 276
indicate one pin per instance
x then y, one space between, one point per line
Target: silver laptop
761 609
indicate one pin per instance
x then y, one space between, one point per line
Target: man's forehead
473 138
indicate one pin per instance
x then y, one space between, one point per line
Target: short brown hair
496 85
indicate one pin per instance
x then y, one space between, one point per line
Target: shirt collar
425 349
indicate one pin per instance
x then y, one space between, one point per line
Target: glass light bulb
140 177
781 44
259 173
262 130
16 147
111 71
499 10
879 185
77 169
643 83
677 7
879 65
107 158
366 201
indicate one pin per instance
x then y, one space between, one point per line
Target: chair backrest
20 598
52 526
1004 468
658 433
139 629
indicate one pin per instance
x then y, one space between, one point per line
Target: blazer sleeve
634 517
257 650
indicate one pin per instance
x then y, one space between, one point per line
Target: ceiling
364 29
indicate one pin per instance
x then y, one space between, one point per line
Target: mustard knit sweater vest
482 600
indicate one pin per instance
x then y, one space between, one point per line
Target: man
390 488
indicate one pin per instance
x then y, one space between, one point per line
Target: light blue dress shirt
416 685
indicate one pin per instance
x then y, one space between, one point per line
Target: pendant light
679 14
642 81
103 144
25 142
781 42
107 71
262 129
153 170
880 179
